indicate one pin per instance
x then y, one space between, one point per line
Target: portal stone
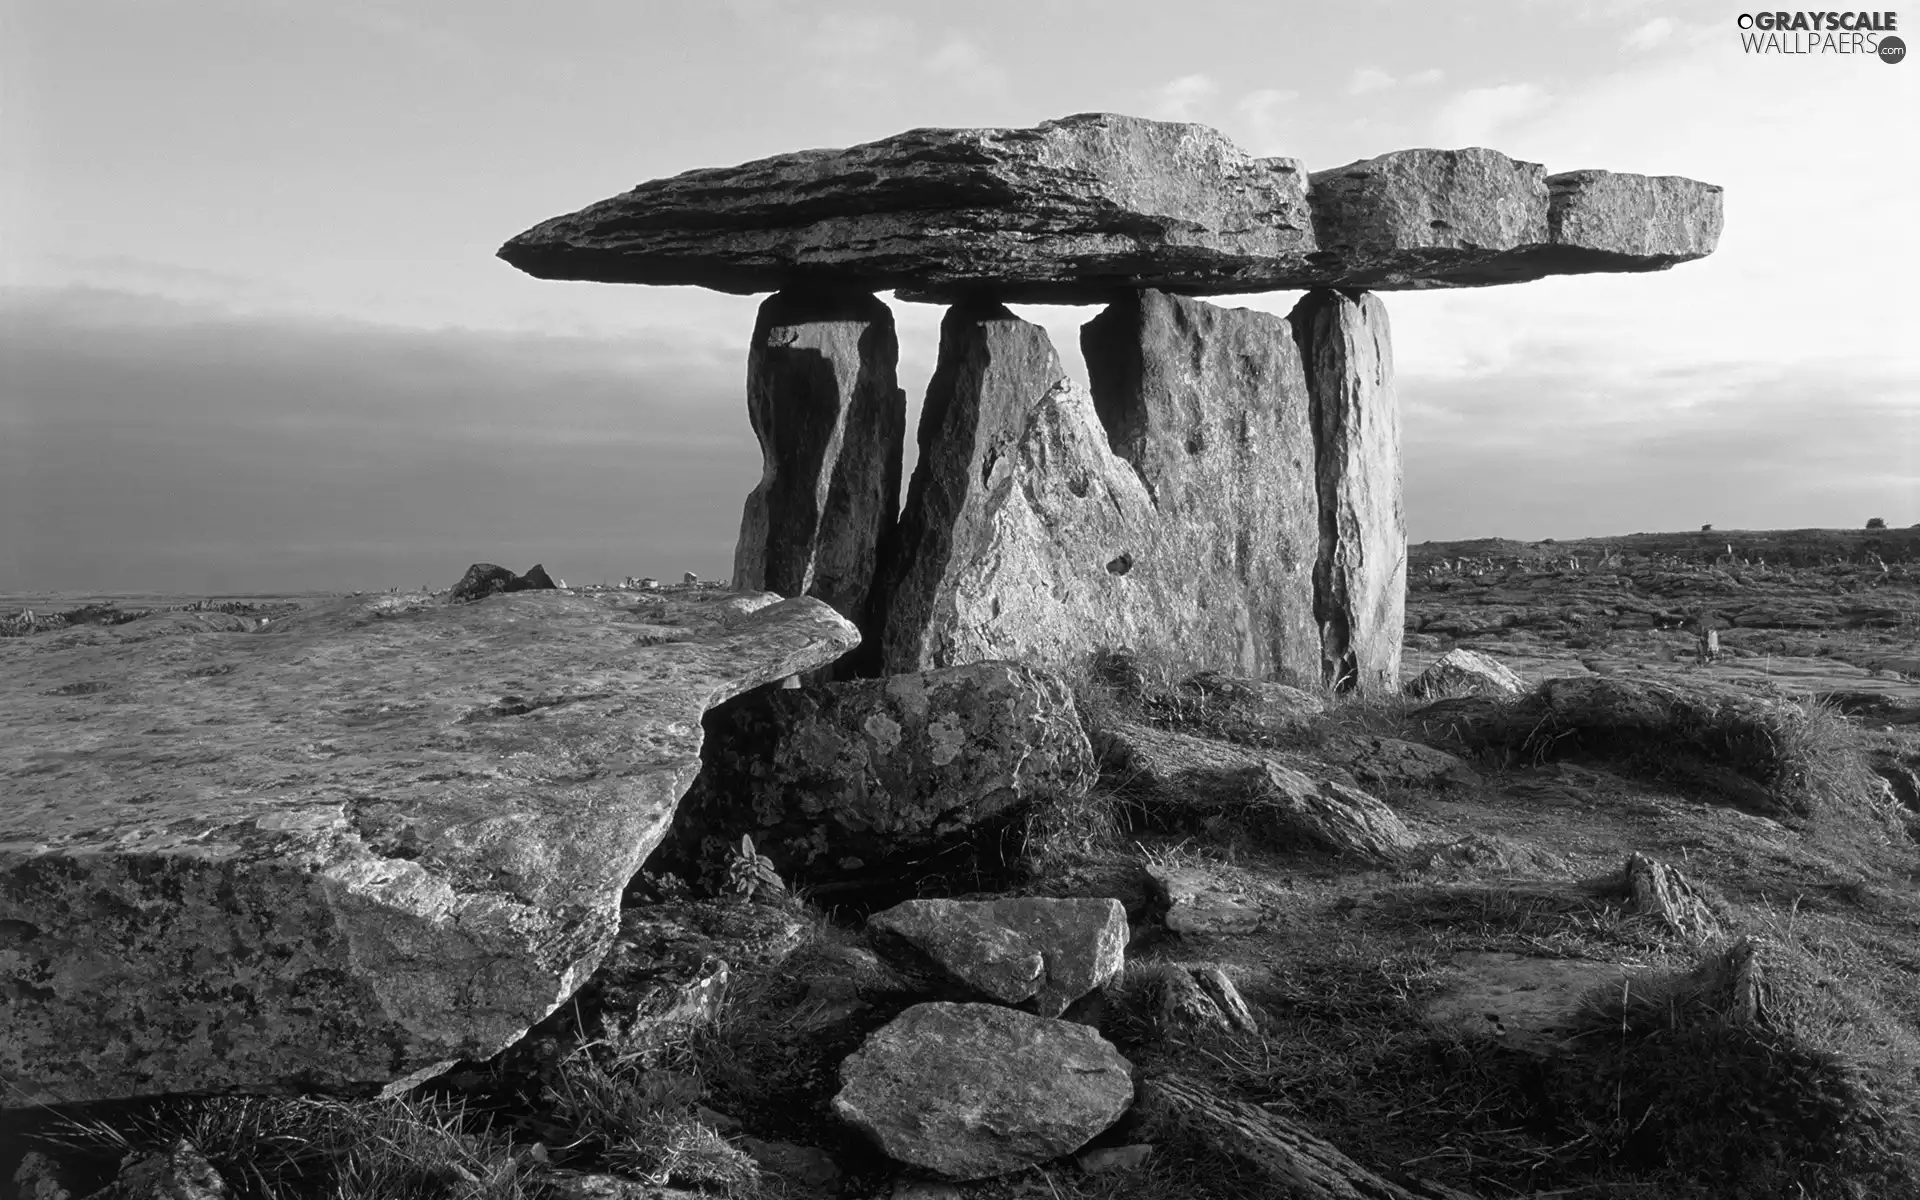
1360 581
831 423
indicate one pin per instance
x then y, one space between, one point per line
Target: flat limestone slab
348 847
1077 209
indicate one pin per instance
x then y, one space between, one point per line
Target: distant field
1796 547
58 601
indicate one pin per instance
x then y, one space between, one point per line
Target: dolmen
348 848
1224 489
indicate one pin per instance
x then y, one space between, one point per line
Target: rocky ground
1649 930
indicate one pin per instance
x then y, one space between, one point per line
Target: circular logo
1892 49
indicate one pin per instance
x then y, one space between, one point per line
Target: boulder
969 1091
1172 511
1186 783
1049 951
1463 672
1080 209
849 780
347 848
831 420
485 579
1360 576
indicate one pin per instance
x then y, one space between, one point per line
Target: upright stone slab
1172 513
1210 407
1360 582
831 422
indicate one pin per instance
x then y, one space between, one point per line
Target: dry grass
1769 753
269 1148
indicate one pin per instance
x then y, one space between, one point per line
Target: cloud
1176 99
1423 78
1651 34
1369 79
1262 119
1601 449
852 52
156 446
1474 117
964 64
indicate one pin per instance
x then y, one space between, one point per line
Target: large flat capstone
349 847
1076 209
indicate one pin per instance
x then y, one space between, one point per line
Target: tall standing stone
831 420
1172 512
1360 579
993 372
1210 406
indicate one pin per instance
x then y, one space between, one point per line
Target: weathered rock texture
1291 1157
1049 951
1079 209
1463 672
847 780
1360 577
831 422
485 579
1657 890
344 849
1186 783
974 1090
1174 511
1199 902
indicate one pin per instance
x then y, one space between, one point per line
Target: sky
254 338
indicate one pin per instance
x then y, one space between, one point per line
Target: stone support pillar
1172 512
831 420
1360 579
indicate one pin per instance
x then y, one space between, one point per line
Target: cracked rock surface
349 847
1078 209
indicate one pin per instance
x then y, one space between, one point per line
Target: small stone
1463 672
690 577
1199 903
1226 997
1657 890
